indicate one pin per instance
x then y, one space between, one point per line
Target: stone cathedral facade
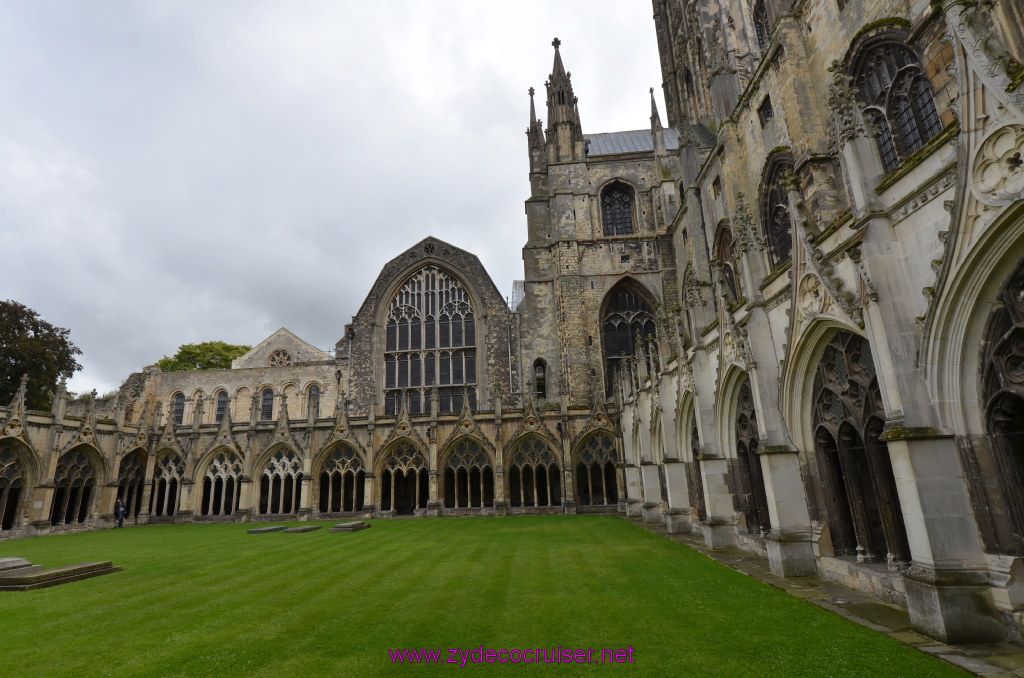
790 319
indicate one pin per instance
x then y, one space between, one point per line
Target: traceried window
178 410
12 482
628 317
468 477
131 481
775 221
617 209
762 27
281 484
430 340
533 475
280 358
595 472
222 407
342 481
222 485
750 482
897 98
725 253
166 488
74 482
540 385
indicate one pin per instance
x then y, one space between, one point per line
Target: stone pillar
947 583
433 505
632 490
369 498
651 507
789 542
306 498
679 512
720 525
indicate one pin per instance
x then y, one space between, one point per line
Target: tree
31 346
209 355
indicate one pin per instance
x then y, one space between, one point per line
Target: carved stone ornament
999 166
13 428
844 102
811 296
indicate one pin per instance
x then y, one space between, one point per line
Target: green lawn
199 600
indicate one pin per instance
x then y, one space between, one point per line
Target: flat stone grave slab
353 526
35 577
264 530
304 528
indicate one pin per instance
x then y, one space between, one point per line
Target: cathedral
788 319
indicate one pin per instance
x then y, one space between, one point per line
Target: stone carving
811 296
999 166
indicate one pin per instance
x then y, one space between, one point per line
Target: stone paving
1002 660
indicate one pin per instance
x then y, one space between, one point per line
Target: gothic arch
19 473
339 474
724 251
221 471
689 437
168 476
627 313
740 432
131 480
466 471
617 200
78 475
279 475
431 329
403 470
533 472
776 223
594 463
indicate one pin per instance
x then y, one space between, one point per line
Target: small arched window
267 404
314 401
775 221
724 252
897 98
222 406
762 27
179 408
540 378
617 209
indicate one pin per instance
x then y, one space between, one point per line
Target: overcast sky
175 172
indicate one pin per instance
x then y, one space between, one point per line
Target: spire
564 131
535 138
655 118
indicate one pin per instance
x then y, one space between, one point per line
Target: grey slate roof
639 141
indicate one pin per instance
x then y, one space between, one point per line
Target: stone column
306 498
651 507
720 525
679 513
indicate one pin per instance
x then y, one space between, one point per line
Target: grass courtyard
211 600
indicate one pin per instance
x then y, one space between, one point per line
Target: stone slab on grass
40 578
265 530
353 526
304 528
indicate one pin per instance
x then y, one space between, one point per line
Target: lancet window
222 407
166 493
858 489
74 482
762 27
540 384
1002 392
342 482
750 486
775 219
468 477
628 319
533 476
404 482
178 408
430 341
617 209
725 253
12 484
281 484
695 482
131 482
596 483
897 98
222 485
267 404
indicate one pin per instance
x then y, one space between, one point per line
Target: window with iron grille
222 406
762 28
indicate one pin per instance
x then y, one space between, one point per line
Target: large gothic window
533 475
775 220
12 483
404 482
595 472
281 484
74 482
855 479
342 481
166 492
617 209
628 318
222 485
1002 391
762 28
897 99
430 341
468 477
131 480
750 480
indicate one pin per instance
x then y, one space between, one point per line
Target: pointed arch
467 474
168 474
19 473
131 480
776 224
594 461
533 475
739 431
280 474
79 472
341 473
403 471
627 316
724 249
221 471
617 200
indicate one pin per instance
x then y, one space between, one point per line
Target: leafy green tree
209 355
30 345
